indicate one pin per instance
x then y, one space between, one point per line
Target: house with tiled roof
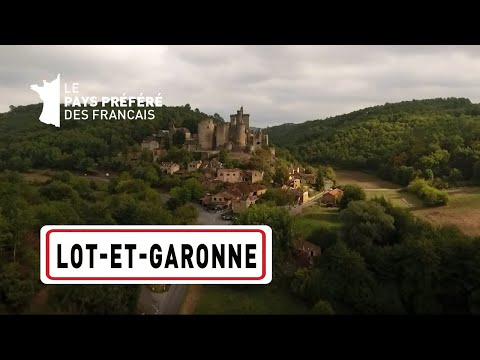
332 196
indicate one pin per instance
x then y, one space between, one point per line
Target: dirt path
191 300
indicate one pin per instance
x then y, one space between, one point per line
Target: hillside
31 198
27 143
437 138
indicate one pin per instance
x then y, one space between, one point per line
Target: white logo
50 95
78 107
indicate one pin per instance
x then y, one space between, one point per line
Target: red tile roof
335 192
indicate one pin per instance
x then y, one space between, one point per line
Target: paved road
299 208
166 303
169 302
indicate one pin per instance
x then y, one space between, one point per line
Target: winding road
169 302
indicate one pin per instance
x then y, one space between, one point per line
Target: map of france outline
50 95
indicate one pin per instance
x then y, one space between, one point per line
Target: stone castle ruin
233 136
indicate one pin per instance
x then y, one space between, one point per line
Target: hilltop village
222 153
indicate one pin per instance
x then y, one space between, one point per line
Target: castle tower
246 121
239 124
221 134
240 115
240 136
206 134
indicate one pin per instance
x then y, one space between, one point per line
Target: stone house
150 144
243 203
169 168
295 183
229 175
305 252
194 165
239 196
301 195
331 197
308 178
252 176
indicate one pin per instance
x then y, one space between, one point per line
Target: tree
341 275
147 173
57 190
319 180
474 301
281 223
19 164
476 172
323 236
366 223
185 214
178 139
280 197
429 175
309 169
146 156
328 172
222 155
94 299
351 193
280 176
323 307
16 289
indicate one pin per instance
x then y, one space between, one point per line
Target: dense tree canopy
386 261
86 145
351 193
67 199
437 138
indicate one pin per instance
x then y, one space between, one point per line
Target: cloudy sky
275 84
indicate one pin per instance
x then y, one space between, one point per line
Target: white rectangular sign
156 254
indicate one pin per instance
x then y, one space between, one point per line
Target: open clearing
463 210
36 176
374 186
314 217
365 181
252 299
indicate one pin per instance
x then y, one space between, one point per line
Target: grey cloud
275 84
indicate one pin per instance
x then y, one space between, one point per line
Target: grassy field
374 186
365 181
36 176
463 210
314 217
254 300
40 176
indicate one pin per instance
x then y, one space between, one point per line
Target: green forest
66 196
379 260
81 145
382 260
436 139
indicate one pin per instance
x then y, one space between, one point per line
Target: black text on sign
98 254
